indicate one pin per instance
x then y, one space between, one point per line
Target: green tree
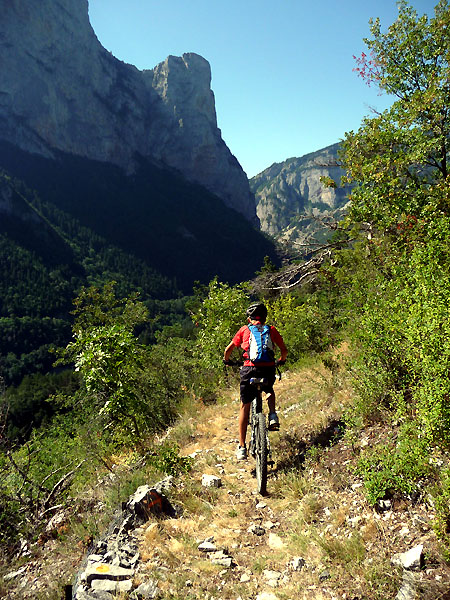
399 158
399 289
217 318
108 356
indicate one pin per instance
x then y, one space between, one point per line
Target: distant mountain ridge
291 198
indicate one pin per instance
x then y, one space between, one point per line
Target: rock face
61 90
290 195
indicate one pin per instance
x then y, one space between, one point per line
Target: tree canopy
399 158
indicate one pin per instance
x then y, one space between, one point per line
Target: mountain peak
60 90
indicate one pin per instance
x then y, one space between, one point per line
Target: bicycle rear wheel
261 452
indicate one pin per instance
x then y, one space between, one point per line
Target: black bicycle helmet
257 309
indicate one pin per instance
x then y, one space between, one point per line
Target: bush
217 319
167 459
388 471
441 523
302 324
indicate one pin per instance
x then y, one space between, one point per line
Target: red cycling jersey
241 340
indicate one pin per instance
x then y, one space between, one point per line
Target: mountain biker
256 315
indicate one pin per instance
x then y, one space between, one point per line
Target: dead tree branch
298 274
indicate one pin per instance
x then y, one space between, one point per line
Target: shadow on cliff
178 228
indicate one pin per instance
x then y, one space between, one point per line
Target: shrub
388 470
302 324
217 319
166 459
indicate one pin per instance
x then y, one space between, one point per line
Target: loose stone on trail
211 481
266 596
256 530
411 560
297 563
207 546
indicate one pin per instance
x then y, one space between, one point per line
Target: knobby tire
261 452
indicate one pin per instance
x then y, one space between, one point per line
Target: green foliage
397 157
170 374
217 319
301 322
395 281
398 314
441 524
96 307
108 356
30 405
388 470
39 475
167 459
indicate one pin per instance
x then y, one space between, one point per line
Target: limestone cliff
61 90
290 196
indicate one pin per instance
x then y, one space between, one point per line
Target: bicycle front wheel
261 453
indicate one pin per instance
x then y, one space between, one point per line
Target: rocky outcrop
113 562
61 90
290 196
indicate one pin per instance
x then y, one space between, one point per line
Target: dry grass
315 508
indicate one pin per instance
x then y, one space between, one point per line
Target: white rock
407 590
207 546
107 571
271 577
225 561
411 559
106 585
211 481
275 542
149 589
15 573
297 563
266 596
92 558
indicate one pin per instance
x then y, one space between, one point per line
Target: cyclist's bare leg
271 401
243 422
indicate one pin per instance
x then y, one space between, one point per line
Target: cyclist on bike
256 314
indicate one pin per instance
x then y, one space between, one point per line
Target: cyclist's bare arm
228 350
283 351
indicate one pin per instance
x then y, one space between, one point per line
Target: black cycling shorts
248 391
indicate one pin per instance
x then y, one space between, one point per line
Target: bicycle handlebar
233 363
239 363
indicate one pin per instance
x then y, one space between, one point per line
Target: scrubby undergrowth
317 507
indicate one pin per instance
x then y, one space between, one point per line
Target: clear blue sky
282 72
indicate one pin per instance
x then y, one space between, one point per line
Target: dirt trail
313 536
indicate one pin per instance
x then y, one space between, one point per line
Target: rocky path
237 548
313 536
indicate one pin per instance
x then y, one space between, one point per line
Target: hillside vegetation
363 464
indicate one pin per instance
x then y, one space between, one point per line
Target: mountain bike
259 441
259 446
